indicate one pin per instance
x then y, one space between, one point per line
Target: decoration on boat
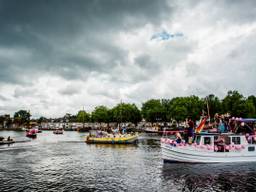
201 125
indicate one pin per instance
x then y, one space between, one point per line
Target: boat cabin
225 142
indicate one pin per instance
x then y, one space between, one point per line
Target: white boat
207 149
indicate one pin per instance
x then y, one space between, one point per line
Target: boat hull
115 140
189 155
6 142
31 135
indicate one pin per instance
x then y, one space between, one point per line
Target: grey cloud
49 29
24 92
70 90
3 98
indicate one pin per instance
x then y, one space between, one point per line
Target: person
178 137
9 138
220 142
190 130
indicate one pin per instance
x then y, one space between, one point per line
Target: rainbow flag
201 125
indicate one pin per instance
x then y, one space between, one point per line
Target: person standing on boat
190 130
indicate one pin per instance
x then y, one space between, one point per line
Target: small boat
84 129
4 141
58 131
167 131
31 133
112 139
212 148
39 131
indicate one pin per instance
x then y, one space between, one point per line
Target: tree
181 108
250 109
101 114
234 103
82 116
153 110
214 104
126 113
42 119
22 117
252 98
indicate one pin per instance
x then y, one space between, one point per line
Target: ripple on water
66 163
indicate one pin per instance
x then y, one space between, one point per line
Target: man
190 130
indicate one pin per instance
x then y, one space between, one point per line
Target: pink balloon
238 147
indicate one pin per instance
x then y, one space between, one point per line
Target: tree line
160 110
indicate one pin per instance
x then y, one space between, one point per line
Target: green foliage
82 116
22 117
153 110
101 114
42 120
126 113
181 108
234 103
214 105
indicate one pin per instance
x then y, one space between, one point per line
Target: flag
201 125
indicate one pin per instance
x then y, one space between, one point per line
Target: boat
31 133
105 138
58 131
153 130
83 129
4 141
212 148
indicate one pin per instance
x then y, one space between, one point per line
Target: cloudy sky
58 56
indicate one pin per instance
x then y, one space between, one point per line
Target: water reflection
213 177
66 163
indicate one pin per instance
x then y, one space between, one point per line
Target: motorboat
4 141
212 148
58 131
105 138
153 130
32 133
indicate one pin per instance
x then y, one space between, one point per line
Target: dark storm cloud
49 29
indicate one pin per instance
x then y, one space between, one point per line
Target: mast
83 117
208 110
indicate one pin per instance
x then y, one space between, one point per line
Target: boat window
251 148
227 140
236 140
207 140
198 138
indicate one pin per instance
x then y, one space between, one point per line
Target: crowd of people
219 124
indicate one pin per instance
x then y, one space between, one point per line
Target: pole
208 110
83 117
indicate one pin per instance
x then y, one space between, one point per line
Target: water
65 163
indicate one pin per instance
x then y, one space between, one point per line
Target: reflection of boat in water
213 147
58 131
105 138
32 133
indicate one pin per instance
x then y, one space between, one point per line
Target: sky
59 56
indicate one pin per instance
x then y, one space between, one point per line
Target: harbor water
66 163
